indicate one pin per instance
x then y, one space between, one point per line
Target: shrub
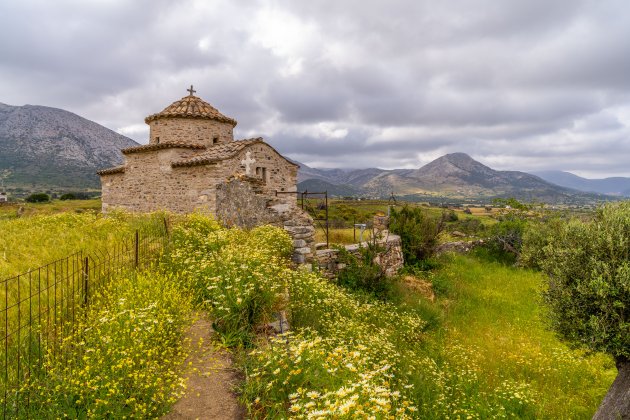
451 216
537 236
507 234
362 272
418 232
470 226
588 268
38 198
68 196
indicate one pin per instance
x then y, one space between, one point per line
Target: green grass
493 313
28 242
10 211
481 350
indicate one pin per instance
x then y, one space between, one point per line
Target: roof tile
115 170
191 107
218 152
159 146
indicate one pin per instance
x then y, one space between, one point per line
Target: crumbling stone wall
241 202
391 258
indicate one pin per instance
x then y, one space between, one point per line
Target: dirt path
210 381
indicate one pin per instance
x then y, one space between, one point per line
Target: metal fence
39 308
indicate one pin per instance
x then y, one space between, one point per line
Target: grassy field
481 349
11 211
494 329
48 234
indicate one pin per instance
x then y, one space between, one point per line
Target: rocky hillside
42 147
455 175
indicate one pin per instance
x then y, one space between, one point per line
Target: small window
215 140
157 140
262 173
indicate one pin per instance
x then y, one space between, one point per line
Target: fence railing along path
39 308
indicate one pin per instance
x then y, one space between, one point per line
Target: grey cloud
524 84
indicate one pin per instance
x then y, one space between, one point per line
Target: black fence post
86 276
326 195
137 245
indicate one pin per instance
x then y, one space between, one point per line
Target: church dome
191 107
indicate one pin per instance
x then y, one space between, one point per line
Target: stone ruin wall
241 202
391 259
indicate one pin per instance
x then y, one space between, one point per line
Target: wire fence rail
39 308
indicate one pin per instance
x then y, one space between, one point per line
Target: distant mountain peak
49 147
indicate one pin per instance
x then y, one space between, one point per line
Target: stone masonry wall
279 174
190 130
391 259
149 183
240 202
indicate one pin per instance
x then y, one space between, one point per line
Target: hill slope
43 147
334 190
455 175
613 185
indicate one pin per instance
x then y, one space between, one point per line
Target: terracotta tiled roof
191 107
158 146
222 151
217 152
115 170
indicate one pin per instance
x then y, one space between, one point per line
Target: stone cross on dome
248 161
191 90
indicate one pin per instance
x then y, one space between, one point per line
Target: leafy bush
536 237
588 264
68 196
362 272
507 234
451 216
470 226
38 198
418 232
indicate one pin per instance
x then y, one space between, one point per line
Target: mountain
318 185
456 176
43 147
614 185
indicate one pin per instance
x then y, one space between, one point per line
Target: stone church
190 157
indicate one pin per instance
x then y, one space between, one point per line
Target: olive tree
588 270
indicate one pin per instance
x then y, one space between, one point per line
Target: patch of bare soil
424 287
210 379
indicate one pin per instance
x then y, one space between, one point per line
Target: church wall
149 183
190 130
280 175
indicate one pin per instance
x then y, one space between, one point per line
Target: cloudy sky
519 84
